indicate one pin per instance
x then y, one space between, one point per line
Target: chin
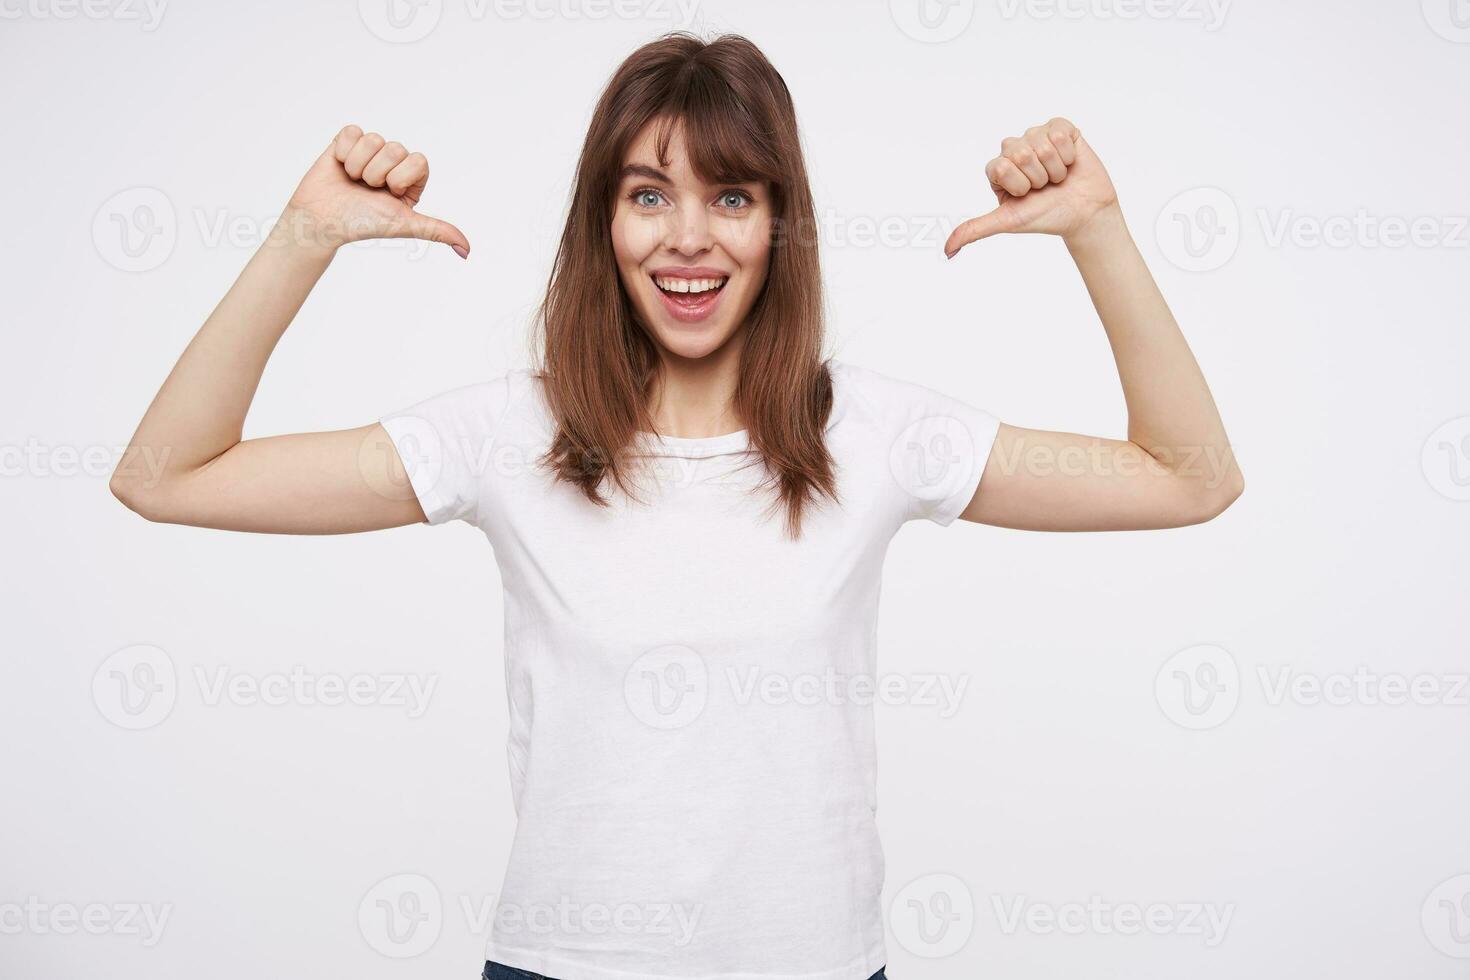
690 344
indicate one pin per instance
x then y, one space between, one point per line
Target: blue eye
735 200
647 197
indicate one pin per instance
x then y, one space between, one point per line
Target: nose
688 231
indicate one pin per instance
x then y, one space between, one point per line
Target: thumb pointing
974 230
428 229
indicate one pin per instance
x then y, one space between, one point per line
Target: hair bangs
726 144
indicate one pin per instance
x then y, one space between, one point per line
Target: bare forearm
1171 413
199 412
1175 467
187 463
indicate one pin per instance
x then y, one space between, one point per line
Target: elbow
1212 501
124 490
138 497
128 493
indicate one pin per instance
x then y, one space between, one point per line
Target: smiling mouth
690 300
692 288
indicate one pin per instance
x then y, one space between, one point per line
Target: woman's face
692 255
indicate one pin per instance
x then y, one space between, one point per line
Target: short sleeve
445 443
939 448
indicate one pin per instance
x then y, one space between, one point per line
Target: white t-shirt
691 722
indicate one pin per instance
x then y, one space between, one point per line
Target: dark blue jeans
494 971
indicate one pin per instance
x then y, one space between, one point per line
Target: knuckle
373 139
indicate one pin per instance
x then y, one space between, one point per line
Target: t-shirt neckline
653 444
729 443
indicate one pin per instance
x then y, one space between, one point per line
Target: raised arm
1176 466
199 471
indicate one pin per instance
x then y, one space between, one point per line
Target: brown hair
598 363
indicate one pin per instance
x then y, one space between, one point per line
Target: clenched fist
1047 181
362 187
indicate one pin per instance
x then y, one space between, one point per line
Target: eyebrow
639 170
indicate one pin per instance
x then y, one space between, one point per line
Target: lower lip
692 312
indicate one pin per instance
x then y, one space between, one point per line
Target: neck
693 398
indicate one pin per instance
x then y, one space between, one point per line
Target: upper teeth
690 285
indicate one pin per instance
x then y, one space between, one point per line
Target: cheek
749 244
634 238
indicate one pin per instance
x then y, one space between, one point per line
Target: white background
1331 834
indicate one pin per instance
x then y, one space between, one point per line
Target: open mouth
690 300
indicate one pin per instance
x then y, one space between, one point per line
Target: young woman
686 502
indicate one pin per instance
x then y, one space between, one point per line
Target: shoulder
864 395
935 446
480 407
